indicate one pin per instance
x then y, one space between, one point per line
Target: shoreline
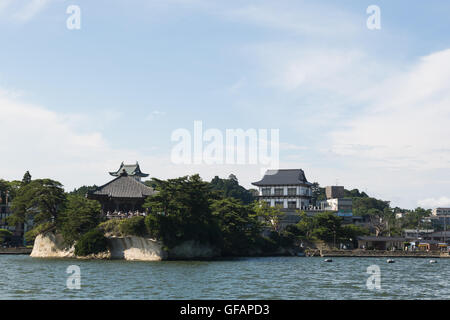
383 254
18 250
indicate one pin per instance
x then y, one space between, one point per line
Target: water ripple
247 278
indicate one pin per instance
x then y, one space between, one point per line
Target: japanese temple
124 193
133 170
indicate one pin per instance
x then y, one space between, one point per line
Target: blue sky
366 108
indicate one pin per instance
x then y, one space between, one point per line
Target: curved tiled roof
123 186
130 169
283 177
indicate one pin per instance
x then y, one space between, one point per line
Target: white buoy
433 261
390 261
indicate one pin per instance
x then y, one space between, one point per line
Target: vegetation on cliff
92 242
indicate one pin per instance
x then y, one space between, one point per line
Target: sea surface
23 277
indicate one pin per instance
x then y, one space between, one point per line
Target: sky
359 107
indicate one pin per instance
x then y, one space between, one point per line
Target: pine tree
26 178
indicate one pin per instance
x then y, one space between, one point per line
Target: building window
279 203
292 191
292 204
265 191
278 191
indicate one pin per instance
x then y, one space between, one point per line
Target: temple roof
283 177
123 186
130 169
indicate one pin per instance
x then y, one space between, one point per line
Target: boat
390 261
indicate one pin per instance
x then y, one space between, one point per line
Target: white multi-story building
441 212
286 188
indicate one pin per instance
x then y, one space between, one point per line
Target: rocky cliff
51 246
136 248
128 248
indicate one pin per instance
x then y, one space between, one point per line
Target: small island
188 218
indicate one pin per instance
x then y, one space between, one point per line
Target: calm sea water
23 277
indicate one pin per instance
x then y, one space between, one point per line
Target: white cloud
52 145
46 143
291 146
22 10
4 4
307 19
406 125
431 203
155 114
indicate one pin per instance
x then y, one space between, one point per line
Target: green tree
238 226
318 193
362 205
134 226
327 226
271 216
305 225
83 190
41 199
185 204
414 219
80 216
26 178
351 233
230 188
4 234
91 242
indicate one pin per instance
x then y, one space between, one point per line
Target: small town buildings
342 206
126 193
337 203
441 212
400 215
334 192
441 236
416 233
5 212
381 243
289 190
431 245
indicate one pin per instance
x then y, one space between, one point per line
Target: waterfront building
381 243
342 206
126 193
416 233
441 212
334 192
285 188
440 222
441 236
337 203
289 190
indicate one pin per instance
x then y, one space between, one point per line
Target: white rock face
51 246
136 248
128 248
